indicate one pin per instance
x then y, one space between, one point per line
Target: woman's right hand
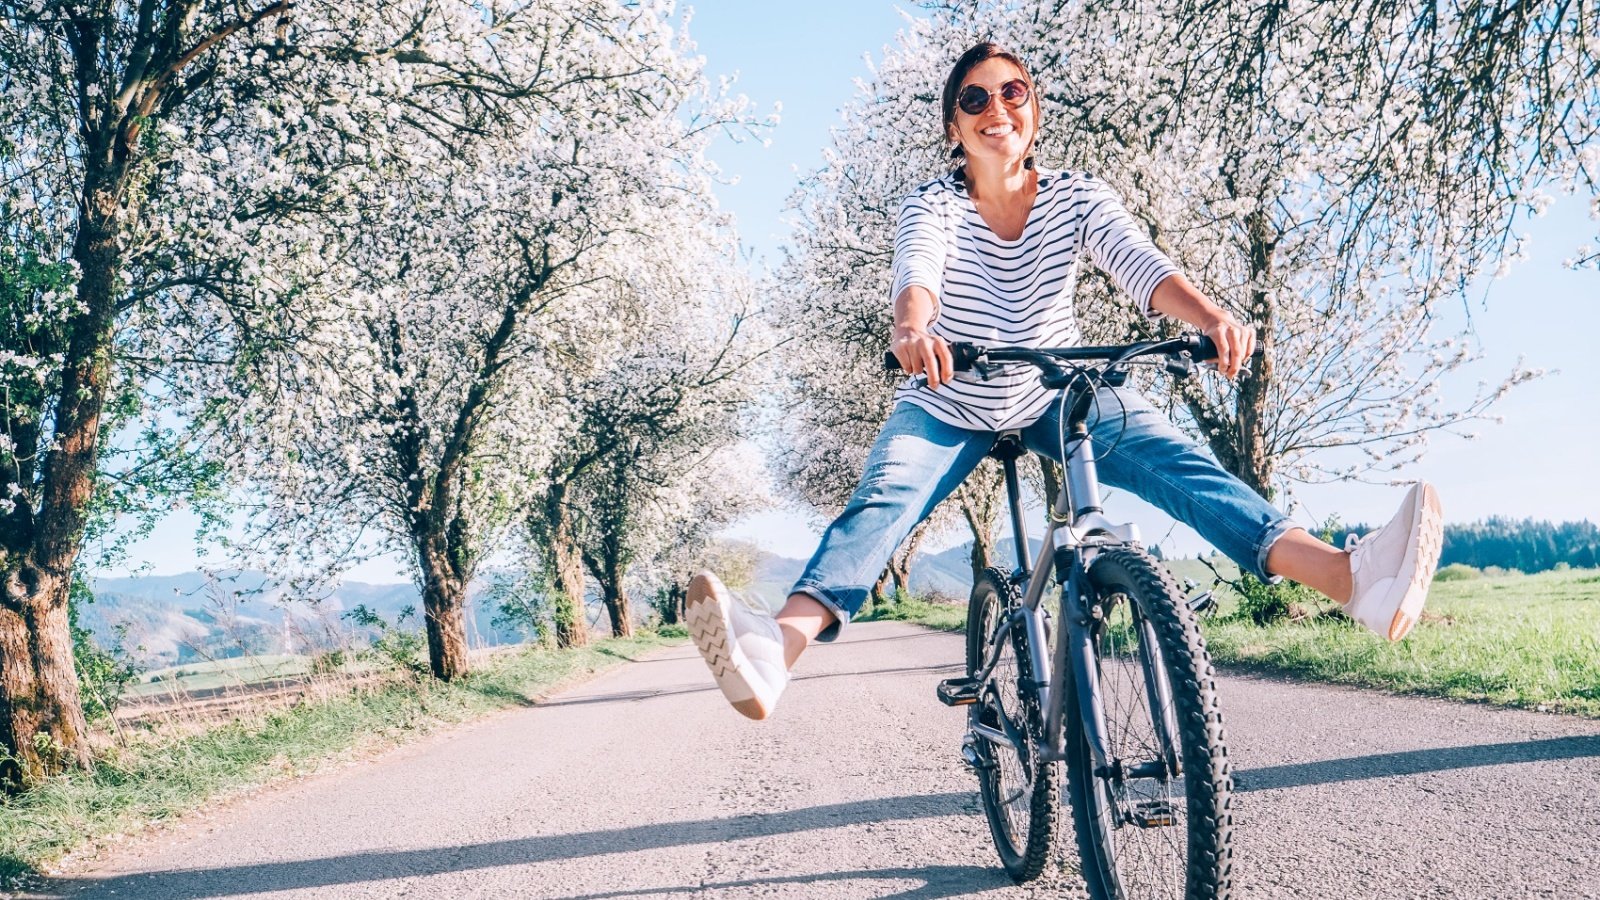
921 353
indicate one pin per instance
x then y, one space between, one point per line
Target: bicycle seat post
1008 449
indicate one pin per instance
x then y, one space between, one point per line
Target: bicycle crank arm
994 735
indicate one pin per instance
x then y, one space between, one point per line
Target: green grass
154 778
942 616
1529 641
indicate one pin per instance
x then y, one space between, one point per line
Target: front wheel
1156 823
1021 795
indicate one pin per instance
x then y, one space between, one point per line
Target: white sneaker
1391 568
743 647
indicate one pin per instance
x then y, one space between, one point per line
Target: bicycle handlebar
1199 347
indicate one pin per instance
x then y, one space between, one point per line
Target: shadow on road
357 868
1415 762
709 685
936 883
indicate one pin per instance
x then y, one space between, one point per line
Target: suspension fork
1074 666
1164 719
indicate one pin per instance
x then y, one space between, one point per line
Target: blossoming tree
1332 172
505 241
93 98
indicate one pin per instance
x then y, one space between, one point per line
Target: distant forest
1528 545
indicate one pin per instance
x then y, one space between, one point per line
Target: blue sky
1541 463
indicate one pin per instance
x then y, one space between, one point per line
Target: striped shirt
991 291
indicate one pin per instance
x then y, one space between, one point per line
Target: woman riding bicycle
989 254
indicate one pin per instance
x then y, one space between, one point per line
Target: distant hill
164 620
170 619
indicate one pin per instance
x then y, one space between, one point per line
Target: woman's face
1001 132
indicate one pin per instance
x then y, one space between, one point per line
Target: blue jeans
918 460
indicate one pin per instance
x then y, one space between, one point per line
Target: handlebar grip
962 354
1202 348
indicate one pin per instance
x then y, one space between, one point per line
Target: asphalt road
644 784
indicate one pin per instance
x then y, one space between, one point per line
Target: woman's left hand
1235 344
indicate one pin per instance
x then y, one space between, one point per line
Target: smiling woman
989 254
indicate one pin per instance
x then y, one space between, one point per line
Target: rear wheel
1021 796
1157 824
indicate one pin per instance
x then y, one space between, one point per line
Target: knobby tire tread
1201 734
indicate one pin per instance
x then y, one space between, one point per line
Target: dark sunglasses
974 98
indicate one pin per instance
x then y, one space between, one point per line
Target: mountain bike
1115 686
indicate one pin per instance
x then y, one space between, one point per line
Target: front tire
1168 835
1021 796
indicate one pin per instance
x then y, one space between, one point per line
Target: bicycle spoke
1150 837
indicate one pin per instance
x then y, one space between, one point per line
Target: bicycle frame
1077 530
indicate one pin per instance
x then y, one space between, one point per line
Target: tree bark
900 562
1255 465
981 499
609 566
41 715
620 610
677 595
443 606
878 595
563 563
1239 440
1050 473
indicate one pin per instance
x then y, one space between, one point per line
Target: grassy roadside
153 778
1529 641
940 616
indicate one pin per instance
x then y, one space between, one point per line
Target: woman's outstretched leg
1382 579
916 462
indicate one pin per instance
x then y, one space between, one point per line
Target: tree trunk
1239 439
41 715
672 610
900 562
878 595
607 563
1255 464
620 610
572 627
980 500
1050 471
443 605
564 568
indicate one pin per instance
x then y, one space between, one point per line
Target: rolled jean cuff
821 595
1270 536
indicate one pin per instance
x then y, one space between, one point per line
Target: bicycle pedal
1153 814
958 691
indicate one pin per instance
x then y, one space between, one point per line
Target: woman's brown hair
952 88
